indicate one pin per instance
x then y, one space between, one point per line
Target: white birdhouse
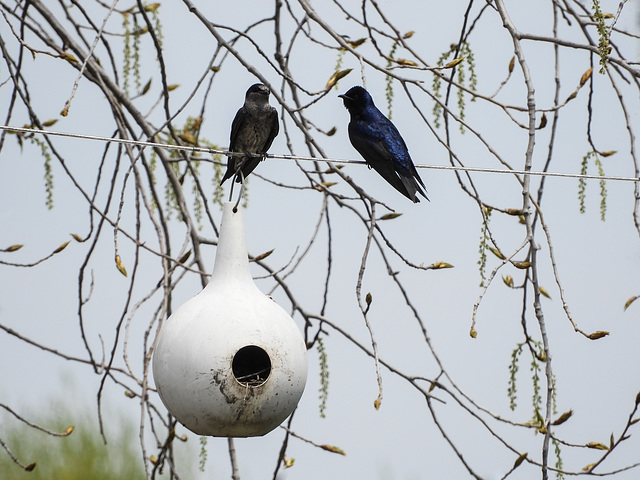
230 362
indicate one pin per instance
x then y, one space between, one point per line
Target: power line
188 148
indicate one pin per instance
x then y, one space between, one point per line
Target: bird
381 145
253 129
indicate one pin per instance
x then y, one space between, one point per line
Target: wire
213 151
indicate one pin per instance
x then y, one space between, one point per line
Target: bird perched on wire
252 131
381 145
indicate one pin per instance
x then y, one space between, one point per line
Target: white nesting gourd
230 362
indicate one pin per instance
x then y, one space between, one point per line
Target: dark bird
381 145
252 131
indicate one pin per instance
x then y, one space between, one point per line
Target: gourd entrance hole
251 366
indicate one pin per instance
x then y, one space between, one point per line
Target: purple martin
252 131
381 145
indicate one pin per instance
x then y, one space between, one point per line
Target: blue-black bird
252 131
381 145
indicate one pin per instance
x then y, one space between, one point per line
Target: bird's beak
342 95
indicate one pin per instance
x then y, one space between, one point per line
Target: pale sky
597 261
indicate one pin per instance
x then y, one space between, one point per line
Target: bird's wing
403 165
236 126
384 149
273 130
372 145
270 123
398 150
406 170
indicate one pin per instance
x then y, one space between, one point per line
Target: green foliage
582 183
153 163
558 452
152 8
131 50
324 376
339 61
389 80
79 456
48 173
218 192
169 193
466 76
198 209
190 135
603 35
203 453
131 53
536 400
603 190
484 244
46 154
513 370
391 59
537 358
81 452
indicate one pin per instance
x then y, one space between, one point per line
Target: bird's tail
413 188
230 171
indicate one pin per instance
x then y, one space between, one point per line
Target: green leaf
597 335
454 62
337 76
356 43
409 63
60 248
262 256
630 301
184 257
333 449
586 76
563 418
68 57
120 265
597 446
519 460
439 265
543 121
146 87
522 265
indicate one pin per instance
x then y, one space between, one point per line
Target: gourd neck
231 263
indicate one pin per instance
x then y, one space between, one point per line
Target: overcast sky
597 261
